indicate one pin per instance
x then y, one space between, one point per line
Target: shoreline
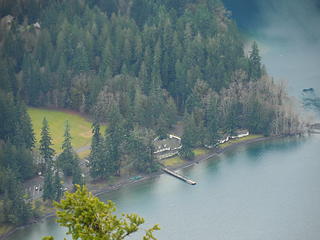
197 160
123 183
218 151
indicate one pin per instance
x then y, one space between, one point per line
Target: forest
137 65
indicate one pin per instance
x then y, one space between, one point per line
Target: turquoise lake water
267 190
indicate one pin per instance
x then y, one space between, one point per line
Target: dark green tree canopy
66 159
46 150
255 71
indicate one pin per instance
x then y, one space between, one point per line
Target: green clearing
200 151
5 229
173 162
238 140
80 127
178 161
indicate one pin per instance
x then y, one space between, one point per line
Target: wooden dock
173 173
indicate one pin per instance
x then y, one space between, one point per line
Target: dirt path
82 149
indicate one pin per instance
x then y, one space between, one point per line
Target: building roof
37 25
167 143
241 131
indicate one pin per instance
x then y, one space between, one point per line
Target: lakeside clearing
80 127
199 153
4 229
239 140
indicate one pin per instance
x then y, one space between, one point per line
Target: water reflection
286 144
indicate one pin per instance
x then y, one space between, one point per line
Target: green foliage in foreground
87 218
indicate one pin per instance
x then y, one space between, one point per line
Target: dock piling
173 173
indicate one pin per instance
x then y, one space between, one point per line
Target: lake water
267 190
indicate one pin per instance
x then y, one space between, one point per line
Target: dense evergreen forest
138 65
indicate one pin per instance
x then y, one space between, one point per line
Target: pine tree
95 157
108 60
80 60
141 148
114 138
254 63
162 126
189 138
179 86
46 151
15 208
26 136
8 117
47 154
143 77
5 80
233 118
66 158
77 176
156 68
48 187
57 186
110 159
212 123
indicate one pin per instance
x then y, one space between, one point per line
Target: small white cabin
168 144
37 25
241 133
224 139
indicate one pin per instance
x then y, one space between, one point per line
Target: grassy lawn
173 162
5 229
177 161
80 127
233 141
200 151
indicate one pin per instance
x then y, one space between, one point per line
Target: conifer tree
233 118
254 63
114 139
189 138
141 148
95 154
212 123
24 123
57 186
48 187
46 151
66 158
16 210
77 176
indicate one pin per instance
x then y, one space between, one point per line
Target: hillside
151 60
138 65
